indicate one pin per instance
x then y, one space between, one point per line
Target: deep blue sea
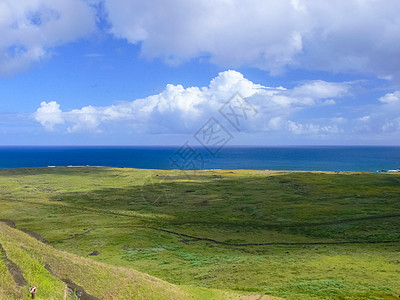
323 158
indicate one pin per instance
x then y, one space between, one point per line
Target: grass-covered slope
53 271
298 235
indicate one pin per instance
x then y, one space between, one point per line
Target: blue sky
102 72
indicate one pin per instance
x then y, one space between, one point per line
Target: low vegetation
58 274
295 235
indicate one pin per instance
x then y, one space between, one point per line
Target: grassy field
53 271
295 235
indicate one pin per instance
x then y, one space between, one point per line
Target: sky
164 72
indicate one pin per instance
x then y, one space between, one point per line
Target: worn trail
13 268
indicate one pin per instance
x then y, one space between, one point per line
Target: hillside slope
25 261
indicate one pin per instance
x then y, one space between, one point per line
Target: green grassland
49 269
295 235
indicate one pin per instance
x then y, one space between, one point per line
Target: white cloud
392 125
275 123
49 115
184 110
387 115
86 118
30 29
339 120
380 119
320 89
391 98
364 119
339 36
329 102
314 129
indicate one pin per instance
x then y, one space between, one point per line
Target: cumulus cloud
339 36
30 29
183 110
49 114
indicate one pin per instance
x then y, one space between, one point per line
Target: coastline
311 158
243 171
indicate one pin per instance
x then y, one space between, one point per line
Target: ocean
306 158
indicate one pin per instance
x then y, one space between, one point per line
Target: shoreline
202 170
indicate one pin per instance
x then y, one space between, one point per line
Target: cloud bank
183 110
338 36
333 36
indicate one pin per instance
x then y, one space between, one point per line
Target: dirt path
72 288
14 270
8 222
35 235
